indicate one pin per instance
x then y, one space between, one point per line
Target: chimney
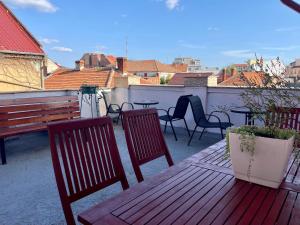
225 77
122 64
79 64
233 71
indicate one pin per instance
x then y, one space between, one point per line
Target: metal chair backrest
181 106
284 118
105 100
144 138
197 109
85 159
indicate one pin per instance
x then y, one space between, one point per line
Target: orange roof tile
178 78
74 79
149 66
254 78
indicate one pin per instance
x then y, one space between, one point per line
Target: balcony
28 188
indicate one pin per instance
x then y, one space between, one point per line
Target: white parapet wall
212 99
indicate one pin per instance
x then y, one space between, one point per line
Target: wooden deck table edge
103 212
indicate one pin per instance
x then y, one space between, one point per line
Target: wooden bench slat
42 106
39 119
44 113
20 101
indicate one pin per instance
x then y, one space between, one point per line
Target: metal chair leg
202 133
187 128
165 129
173 130
222 135
192 135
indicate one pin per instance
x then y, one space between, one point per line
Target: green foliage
165 80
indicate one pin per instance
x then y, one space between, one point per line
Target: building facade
194 65
22 60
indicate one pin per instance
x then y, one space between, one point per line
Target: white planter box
271 157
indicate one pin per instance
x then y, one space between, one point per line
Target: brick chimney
79 64
233 71
225 76
122 64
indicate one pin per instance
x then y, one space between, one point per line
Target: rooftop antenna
126 47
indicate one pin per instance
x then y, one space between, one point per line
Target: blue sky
218 32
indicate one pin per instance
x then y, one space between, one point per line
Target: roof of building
112 59
241 65
180 68
246 78
149 66
14 37
73 79
178 78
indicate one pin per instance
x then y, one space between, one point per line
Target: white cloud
124 15
213 28
239 53
184 44
172 4
286 29
48 40
286 48
61 49
101 48
40 5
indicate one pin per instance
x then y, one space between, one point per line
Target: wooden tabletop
202 190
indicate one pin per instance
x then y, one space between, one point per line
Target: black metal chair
202 119
114 108
178 113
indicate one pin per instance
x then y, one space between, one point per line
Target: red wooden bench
25 115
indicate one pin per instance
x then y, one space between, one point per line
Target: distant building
293 71
243 79
194 65
94 60
73 79
22 59
146 68
242 67
181 78
51 66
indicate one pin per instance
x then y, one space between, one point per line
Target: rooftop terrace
28 189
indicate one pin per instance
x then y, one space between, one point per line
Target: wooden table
202 190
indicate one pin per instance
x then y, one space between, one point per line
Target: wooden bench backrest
37 111
284 118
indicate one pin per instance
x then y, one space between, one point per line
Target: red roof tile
178 78
14 37
74 79
255 78
149 66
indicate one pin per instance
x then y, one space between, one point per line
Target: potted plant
260 154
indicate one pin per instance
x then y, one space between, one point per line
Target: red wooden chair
85 159
284 118
144 138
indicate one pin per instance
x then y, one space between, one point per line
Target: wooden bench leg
2 151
